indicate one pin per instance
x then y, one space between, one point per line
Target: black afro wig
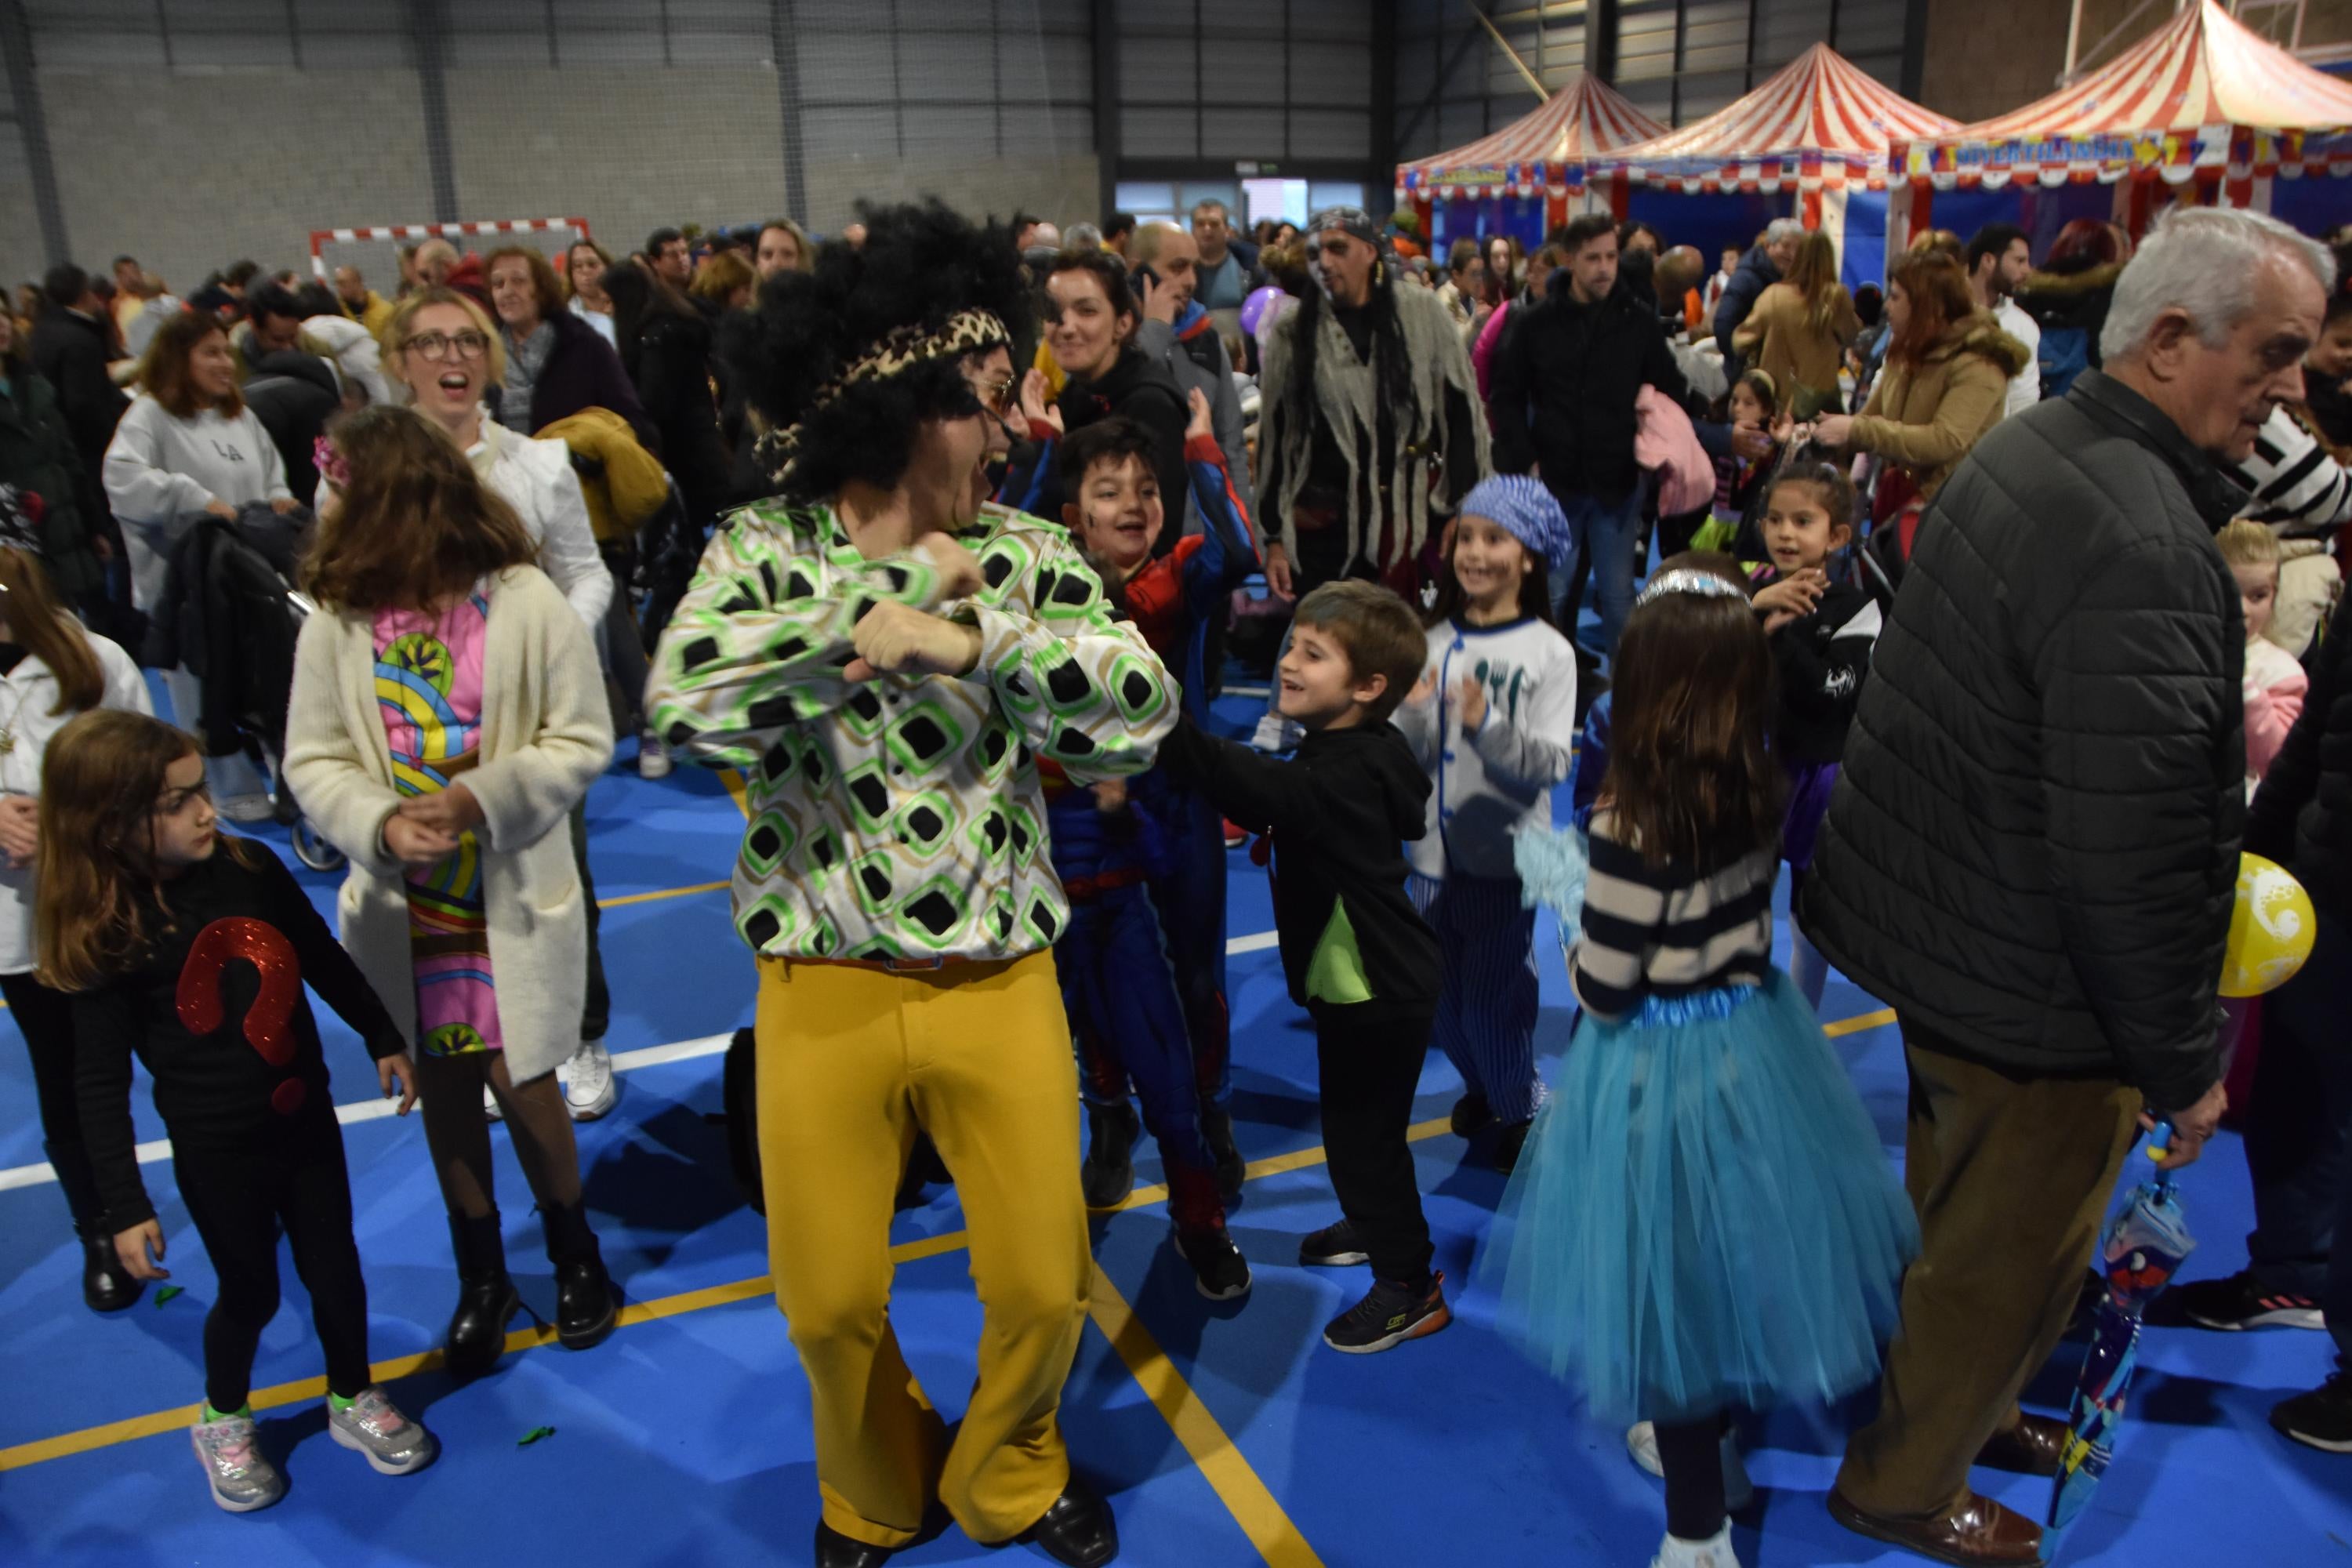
921 265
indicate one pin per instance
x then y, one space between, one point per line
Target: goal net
375 250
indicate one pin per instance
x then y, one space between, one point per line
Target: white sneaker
1739 1491
1715 1552
246 808
490 1105
392 1443
1277 734
589 1091
652 757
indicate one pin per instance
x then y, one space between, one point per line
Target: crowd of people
2001 606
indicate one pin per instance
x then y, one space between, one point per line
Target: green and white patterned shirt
900 817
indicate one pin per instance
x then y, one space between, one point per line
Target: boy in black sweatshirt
1357 956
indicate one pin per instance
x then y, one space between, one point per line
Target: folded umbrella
2143 1246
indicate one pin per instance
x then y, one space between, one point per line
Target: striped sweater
2295 484
1669 931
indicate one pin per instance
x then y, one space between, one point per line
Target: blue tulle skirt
1703 1218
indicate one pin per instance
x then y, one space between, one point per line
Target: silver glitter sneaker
241 1480
393 1443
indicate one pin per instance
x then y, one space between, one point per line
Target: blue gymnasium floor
1224 1434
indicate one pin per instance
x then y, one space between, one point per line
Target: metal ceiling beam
33 129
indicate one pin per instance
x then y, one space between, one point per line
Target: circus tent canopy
2202 92
1546 149
1819 123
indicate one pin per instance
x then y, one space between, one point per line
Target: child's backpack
2065 354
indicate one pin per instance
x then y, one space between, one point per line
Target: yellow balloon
2271 931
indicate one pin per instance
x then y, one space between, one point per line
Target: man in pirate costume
887 658
1371 433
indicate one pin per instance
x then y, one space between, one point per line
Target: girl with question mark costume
193 949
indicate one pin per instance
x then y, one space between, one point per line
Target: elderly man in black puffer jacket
2032 848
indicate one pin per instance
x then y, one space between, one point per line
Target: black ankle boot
1108 1173
1217 1129
586 1311
486 1297
106 1285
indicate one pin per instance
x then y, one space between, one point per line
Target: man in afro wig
888 659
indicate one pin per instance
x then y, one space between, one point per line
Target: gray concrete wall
190 171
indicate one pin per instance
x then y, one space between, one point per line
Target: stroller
229 615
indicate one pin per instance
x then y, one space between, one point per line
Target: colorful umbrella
2143 1248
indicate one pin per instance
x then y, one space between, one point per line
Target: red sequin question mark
261 945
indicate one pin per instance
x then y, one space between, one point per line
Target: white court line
156 1151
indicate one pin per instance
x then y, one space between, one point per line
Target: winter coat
2301 815
582 372
1780 339
1566 378
622 482
1755 273
70 350
545 736
671 368
223 616
1926 415
2059 302
2033 846
38 455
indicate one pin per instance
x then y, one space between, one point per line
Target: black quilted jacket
2034 845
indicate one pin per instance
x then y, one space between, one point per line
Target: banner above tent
2201 93
1817 124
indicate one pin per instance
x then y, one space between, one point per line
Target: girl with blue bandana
1493 722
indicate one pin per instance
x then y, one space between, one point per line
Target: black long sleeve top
227 945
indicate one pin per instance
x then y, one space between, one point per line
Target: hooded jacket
1336 813
37 456
1926 415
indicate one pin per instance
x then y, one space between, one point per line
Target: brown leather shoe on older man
2032 1448
1977 1533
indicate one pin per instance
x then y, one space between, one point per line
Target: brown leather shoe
2032 1449
1977 1531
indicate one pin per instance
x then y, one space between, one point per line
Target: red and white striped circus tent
1817 124
2202 99
1542 155
1531 154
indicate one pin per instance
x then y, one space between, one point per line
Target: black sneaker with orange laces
2240 1302
1389 1315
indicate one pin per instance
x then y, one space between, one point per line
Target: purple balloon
1254 308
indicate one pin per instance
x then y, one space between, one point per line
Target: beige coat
545 736
1927 416
1780 339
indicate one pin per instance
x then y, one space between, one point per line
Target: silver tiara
1690 580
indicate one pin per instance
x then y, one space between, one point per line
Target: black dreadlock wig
1391 362
921 265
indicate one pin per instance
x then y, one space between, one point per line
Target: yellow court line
1220 1462
1859 1022
661 893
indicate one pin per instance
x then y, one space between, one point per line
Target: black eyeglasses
436 346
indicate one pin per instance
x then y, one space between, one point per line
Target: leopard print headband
898 351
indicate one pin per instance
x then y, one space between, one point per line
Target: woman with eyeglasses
442 348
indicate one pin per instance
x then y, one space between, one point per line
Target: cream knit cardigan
546 734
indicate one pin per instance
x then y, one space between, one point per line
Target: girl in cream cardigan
447 713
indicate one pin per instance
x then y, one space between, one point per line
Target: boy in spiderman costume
1142 964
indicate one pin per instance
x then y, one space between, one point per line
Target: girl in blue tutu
1703 1220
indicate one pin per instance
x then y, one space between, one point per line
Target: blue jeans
2297 1131
1603 532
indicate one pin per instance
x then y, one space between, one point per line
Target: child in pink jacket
2275 683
